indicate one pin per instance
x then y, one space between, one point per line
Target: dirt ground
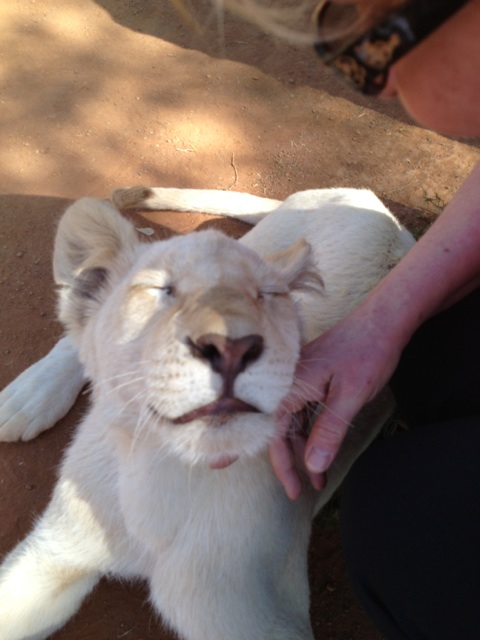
97 95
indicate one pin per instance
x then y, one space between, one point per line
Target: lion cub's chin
214 442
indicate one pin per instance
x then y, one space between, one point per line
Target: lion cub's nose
227 356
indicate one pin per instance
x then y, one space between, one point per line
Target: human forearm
440 269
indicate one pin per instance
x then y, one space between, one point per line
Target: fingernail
318 460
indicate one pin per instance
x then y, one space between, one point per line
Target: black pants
410 511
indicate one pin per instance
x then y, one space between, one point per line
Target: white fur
223 550
26 407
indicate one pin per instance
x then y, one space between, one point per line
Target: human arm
347 366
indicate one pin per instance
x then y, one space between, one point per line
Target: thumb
327 435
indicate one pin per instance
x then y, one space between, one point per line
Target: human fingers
283 464
328 433
287 454
317 480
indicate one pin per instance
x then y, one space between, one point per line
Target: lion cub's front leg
42 394
45 578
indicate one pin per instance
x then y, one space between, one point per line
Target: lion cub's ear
297 266
94 244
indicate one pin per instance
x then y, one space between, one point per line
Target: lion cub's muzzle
228 357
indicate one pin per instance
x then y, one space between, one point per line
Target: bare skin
438 82
347 366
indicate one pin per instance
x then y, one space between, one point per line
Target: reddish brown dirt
103 94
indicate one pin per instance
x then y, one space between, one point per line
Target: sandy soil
97 95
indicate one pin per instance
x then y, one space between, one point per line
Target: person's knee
410 535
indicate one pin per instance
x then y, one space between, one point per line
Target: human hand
343 369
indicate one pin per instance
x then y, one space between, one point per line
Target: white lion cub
190 345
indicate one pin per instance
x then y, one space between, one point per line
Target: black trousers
410 509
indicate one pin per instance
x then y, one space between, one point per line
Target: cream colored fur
190 344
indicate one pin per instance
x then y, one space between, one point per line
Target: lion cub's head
190 342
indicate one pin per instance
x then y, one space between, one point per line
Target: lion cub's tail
245 207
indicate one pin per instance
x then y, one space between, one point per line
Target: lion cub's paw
41 395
